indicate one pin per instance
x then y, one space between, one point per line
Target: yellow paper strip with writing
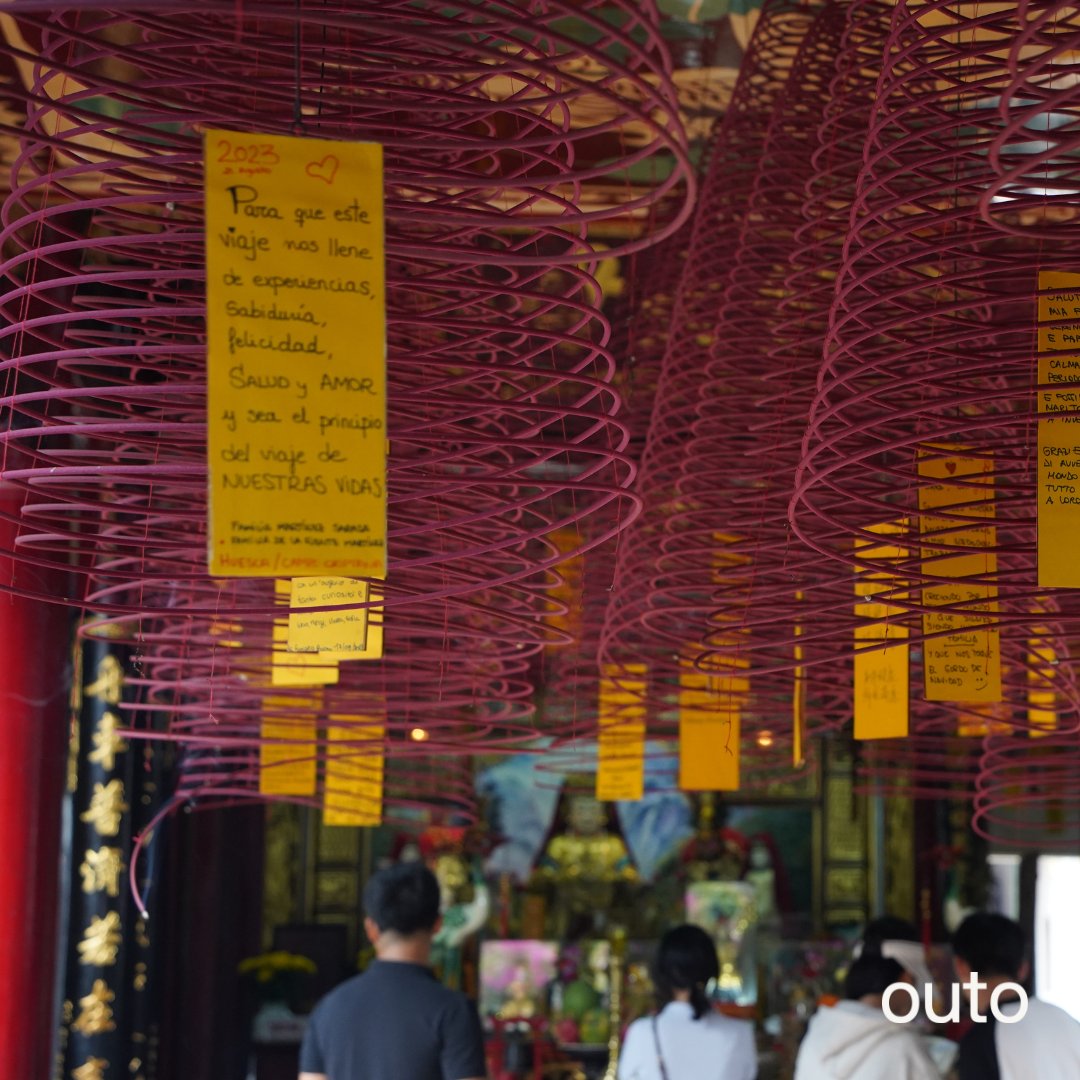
287 767
709 721
880 676
964 665
1059 436
293 668
341 633
620 772
296 356
355 761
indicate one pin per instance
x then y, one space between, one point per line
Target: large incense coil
498 399
734 161
928 357
1037 188
501 419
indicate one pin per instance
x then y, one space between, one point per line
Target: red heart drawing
951 466
325 169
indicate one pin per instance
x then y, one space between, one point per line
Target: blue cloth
394 1022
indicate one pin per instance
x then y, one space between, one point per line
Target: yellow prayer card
296 356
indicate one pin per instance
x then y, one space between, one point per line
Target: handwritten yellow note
620 772
881 676
1059 435
342 633
709 722
964 664
296 668
296 356
287 765
355 761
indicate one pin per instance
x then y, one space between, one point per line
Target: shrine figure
464 897
762 876
714 854
582 870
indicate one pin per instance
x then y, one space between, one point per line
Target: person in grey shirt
396 1021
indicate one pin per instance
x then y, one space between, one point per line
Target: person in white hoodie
854 1040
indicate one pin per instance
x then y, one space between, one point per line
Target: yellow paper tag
620 772
880 676
1041 696
355 760
287 767
964 665
341 633
296 356
1059 436
567 590
709 720
708 748
296 669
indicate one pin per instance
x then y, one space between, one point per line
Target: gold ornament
101 870
100 941
106 806
110 678
107 742
93 1069
96 1015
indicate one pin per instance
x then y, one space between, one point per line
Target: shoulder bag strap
659 1056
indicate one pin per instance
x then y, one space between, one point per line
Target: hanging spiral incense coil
499 131
1037 188
498 396
928 375
626 643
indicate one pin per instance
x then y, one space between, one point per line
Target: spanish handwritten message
296 341
341 633
1059 433
961 650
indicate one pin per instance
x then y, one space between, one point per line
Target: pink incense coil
734 157
499 406
500 414
1037 188
929 356
700 548
1027 791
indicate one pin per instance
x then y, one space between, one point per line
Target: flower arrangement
266 966
275 973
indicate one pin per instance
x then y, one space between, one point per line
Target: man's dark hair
403 898
871 974
990 944
686 960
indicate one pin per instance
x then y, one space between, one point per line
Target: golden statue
582 867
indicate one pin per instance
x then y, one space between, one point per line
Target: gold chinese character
96 1016
108 743
140 977
100 941
101 870
106 806
110 678
94 1069
140 934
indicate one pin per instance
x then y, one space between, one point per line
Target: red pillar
35 649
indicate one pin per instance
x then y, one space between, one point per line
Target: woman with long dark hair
688 1039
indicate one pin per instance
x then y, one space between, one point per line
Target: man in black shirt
1029 1039
396 1021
